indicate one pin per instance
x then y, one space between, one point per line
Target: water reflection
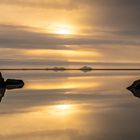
70 105
135 88
9 84
62 110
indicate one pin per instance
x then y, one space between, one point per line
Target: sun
62 29
63 107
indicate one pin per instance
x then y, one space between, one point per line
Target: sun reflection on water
62 109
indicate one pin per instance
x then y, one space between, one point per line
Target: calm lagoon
70 105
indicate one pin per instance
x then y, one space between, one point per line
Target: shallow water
70 105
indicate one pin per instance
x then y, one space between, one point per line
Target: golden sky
69 33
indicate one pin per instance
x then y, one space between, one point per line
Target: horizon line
66 69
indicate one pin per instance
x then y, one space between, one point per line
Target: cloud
110 14
114 15
18 37
44 134
16 40
45 4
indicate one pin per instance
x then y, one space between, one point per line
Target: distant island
84 69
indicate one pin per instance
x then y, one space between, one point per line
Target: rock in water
9 84
14 84
135 88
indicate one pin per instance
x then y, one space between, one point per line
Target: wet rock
14 84
9 84
135 88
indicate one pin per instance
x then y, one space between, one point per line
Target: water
70 105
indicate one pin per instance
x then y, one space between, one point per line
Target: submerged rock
135 88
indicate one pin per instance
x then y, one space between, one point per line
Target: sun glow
63 107
63 29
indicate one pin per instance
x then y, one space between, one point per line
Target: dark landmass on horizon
67 69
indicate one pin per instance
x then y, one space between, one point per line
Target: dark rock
135 88
14 84
9 85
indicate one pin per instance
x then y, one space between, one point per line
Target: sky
70 33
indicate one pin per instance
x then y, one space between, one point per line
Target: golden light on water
66 84
62 109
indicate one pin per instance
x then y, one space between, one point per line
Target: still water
70 105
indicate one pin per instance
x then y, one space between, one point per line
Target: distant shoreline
67 69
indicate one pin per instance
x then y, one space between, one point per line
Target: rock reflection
9 84
135 88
